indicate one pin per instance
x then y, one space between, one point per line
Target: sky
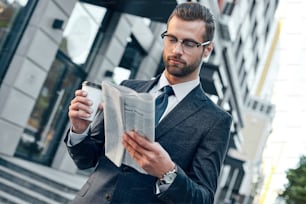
288 139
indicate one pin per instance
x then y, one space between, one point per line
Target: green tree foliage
295 190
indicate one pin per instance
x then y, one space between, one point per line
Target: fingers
139 145
131 147
101 106
149 155
141 141
80 92
80 106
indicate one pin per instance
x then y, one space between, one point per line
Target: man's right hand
80 107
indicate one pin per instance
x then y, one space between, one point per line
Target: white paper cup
94 93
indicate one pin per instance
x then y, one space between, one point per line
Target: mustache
176 58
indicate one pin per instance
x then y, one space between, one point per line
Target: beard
181 68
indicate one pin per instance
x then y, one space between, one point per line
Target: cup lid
91 84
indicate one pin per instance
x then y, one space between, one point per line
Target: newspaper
125 110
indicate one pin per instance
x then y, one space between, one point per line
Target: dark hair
191 11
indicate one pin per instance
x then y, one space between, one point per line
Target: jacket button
108 197
125 169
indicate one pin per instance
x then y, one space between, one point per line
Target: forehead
186 29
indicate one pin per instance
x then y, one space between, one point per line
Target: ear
208 49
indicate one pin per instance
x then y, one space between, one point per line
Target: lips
175 60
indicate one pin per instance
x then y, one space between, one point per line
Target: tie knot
161 102
167 90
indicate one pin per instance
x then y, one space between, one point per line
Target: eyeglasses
187 44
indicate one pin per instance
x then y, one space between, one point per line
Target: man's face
182 62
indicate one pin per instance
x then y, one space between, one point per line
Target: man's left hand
151 156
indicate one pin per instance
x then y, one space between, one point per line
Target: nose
178 47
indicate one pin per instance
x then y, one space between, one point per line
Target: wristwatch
168 177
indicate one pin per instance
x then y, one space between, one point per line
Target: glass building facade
48 47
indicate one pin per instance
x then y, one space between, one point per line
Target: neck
177 80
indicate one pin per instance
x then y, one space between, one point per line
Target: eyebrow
184 39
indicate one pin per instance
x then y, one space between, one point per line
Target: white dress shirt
180 91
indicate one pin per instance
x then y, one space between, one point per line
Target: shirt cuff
160 188
74 138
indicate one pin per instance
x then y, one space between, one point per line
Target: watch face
169 177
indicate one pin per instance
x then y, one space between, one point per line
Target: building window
228 9
81 30
256 63
130 61
9 11
243 78
47 122
254 29
254 106
245 94
269 109
48 119
267 31
14 16
252 8
255 43
238 50
241 68
267 9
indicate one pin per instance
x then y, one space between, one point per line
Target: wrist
173 166
169 176
75 130
78 130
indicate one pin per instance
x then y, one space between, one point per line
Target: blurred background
256 72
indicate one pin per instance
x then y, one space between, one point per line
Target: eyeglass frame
197 44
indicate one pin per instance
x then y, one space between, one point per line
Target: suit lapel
187 107
146 87
193 102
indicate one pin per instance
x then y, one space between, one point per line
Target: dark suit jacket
195 134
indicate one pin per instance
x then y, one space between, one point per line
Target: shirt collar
181 89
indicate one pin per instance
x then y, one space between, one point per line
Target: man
184 161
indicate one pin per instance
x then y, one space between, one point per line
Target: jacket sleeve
87 153
198 185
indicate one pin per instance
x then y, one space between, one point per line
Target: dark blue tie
161 102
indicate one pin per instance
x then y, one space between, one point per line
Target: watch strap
168 177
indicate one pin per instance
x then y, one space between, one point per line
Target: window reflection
9 10
130 61
81 30
49 116
121 74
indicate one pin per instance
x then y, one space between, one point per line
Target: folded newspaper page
126 110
